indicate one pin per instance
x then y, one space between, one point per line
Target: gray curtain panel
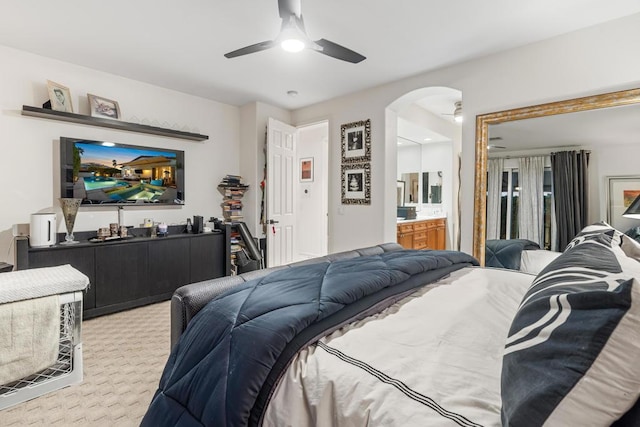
571 193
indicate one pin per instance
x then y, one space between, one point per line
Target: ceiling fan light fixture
292 37
457 113
292 45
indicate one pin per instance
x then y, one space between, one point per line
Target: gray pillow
571 354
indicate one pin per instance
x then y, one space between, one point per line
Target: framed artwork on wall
306 169
356 184
621 192
103 107
356 141
60 97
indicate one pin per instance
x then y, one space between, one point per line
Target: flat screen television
105 173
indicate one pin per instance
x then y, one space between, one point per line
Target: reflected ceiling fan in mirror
493 146
293 37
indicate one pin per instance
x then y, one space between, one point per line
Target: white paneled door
280 188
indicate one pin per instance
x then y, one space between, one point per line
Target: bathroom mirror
412 187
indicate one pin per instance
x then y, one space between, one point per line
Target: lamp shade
633 211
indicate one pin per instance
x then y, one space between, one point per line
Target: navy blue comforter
227 362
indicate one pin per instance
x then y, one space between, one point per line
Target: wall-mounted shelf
109 123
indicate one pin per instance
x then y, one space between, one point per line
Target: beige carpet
124 354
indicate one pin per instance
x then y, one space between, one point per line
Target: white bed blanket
29 337
432 359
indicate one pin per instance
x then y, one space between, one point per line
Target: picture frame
356 141
356 184
306 169
59 97
621 191
103 107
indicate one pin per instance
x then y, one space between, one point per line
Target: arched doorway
427 141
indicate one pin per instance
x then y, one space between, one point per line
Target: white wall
589 61
409 159
29 146
311 225
606 161
594 60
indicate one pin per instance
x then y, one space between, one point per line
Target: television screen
100 172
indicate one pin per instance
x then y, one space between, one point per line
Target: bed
415 338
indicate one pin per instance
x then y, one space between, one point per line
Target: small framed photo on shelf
103 107
306 169
356 184
356 141
60 97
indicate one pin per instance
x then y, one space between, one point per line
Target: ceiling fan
293 37
457 112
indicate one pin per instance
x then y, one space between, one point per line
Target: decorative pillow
571 358
532 262
630 247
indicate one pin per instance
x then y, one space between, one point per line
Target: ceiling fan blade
334 50
251 49
287 8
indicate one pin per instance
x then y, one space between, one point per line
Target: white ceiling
618 125
180 45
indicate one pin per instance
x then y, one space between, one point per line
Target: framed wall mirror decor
610 117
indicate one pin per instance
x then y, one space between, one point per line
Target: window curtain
570 171
531 201
494 194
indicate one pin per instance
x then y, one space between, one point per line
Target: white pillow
533 261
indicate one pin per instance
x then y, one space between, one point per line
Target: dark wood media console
141 270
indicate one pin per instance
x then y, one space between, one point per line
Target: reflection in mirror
401 186
432 187
412 185
611 134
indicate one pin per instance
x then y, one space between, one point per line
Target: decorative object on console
69 211
198 224
623 192
356 141
162 229
356 184
102 107
42 230
60 97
